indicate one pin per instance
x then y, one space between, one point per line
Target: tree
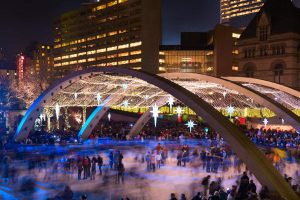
8 99
29 89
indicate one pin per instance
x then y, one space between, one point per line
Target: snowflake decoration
155 112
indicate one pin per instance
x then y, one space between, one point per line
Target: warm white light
155 112
230 110
57 109
125 86
179 110
98 98
265 122
109 116
126 103
75 95
171 102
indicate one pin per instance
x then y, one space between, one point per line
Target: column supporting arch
142 121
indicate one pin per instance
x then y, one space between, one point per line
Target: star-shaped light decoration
179 110
75 95
109 116
190 125
57 110
126 103
155 112
282 121
146 97
171 102
98 97
230 110
125 86
265 122
224 94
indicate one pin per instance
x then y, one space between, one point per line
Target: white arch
244 148
269 84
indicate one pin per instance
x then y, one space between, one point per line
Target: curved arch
269 84
244 148
262 99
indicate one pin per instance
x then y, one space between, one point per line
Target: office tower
108 33
239 13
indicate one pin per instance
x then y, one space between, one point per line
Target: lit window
123 54
122 1
112 64
236 35
57 58
82 61
135 52
112 3
101 50
101 7
73 42
101 36
65 57
137 60
112 48
57 46
235 68
82 54
91 52
135 44
65 44
65 63
73 55
124 62
91 38
57 65
73 62
91 59
112 33
112 56
124 46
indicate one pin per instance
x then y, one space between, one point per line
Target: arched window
249 70
263 27
278 72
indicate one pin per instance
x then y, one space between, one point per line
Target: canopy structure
205 95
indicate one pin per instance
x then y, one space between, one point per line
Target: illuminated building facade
270 45
22 66
108 33
41 62
239 13
212 53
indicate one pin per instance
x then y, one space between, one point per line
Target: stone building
269 48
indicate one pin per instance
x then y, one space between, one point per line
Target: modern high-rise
108 33
239 13
35 62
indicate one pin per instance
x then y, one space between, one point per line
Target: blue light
27 114
88 121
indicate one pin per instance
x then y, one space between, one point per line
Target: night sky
24 21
